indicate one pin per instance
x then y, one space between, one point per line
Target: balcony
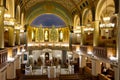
3 57
99 52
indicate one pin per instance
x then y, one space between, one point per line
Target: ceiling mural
48 20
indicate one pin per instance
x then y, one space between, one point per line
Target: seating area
83 74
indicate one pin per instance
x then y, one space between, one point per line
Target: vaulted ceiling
68 4
61 8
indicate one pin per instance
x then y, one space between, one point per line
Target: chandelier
89 28
106 21
8 21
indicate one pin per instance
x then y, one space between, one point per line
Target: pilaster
11 36
2 10
82 35
18 37
96 33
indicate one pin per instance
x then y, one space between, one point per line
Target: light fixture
106 21
89 29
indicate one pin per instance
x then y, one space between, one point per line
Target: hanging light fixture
106 21
89 29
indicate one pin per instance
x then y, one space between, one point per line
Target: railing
3 56
100 52
83 49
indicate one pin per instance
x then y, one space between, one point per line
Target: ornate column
96 67
11 41
18 37
2 10
96 33
82 35
29 34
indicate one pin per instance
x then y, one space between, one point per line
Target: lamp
106 21
8 20
89 28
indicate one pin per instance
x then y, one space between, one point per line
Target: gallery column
82 35
2 10
18 37
96 33
118 44
11 36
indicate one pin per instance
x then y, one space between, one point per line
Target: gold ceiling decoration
68 4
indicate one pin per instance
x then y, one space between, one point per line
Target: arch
101 6
86 16
76 21
56 9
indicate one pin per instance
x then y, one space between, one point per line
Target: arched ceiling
61 8
68 4
48 7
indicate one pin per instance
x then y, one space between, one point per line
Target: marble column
96 67
18 37
96 33
82 35
11 37
11 70
2 10
82 61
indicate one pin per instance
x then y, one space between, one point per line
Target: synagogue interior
59 40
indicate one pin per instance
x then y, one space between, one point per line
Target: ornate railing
3 56
100 52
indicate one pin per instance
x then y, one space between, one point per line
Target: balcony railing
3 56
100 52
